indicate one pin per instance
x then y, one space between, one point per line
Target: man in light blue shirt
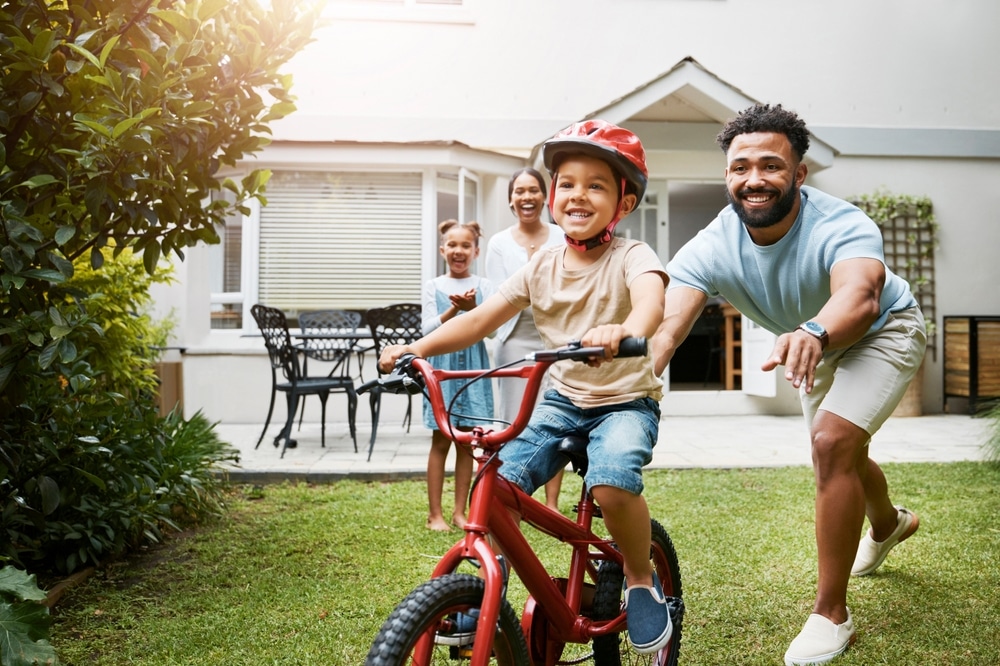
810 268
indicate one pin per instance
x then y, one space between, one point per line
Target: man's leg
843 481
881 513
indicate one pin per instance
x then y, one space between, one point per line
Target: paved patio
685 442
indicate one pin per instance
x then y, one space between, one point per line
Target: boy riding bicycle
598 289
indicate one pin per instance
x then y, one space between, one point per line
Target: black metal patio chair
284 356
329 336
398 324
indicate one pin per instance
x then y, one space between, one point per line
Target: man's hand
800 353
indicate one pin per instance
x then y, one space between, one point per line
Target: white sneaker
820 641
872 553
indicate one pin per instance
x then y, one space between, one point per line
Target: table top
335 334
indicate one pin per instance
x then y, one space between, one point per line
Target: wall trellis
909 237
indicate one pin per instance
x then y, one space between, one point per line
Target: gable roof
692 97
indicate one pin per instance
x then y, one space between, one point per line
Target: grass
295 574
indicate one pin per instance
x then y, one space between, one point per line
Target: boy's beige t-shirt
568 303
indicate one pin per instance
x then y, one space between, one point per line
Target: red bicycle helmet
615 145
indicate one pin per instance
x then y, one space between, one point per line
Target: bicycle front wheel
615 650
432 609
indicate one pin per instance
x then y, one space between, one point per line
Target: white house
414 111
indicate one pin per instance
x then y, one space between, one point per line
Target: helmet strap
601 238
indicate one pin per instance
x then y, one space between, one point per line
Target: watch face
814 328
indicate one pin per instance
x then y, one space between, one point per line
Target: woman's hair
766 118
531 172
471 225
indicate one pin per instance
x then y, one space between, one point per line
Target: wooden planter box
971 358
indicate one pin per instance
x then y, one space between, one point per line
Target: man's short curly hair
766 118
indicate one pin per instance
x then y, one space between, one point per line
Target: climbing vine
909 237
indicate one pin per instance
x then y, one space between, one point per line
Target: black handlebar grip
632 347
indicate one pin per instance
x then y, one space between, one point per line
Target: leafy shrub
90 469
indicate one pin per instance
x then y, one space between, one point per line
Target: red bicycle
459 616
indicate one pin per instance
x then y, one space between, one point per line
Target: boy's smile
586 196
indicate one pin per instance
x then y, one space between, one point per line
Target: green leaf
106 51
49 490
45 274
57 332
151 257
25 631
96 258
28 101
19 584
48 355
86 54
39 181
11 259
64 234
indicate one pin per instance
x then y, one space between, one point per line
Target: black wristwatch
815 329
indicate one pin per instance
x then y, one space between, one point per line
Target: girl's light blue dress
477 399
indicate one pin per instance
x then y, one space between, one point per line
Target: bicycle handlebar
405 378
627 347
413 375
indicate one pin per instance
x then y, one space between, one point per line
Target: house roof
693 102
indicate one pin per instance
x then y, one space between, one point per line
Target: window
226 270
457 199
349 240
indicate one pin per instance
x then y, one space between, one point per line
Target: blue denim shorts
621 437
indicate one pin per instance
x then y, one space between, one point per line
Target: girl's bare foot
437 524
459 521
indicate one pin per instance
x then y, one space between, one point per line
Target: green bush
90 469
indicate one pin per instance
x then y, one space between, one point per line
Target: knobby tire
427 606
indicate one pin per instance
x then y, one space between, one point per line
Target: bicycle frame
492 502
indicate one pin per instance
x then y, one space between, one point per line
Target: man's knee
836 446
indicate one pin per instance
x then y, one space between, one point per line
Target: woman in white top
506 252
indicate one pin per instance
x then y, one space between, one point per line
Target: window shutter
340 240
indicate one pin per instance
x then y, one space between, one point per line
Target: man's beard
768 217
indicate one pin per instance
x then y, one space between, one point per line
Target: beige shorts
865 382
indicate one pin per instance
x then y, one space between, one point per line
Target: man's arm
855 292
681 310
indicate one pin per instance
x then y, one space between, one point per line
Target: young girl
445 297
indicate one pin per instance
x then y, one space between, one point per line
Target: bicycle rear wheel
431 607
615 650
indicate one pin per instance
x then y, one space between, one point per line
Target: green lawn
306 575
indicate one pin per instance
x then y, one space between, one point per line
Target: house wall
520 69
965 199
909 78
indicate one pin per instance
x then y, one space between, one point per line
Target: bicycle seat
574 447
